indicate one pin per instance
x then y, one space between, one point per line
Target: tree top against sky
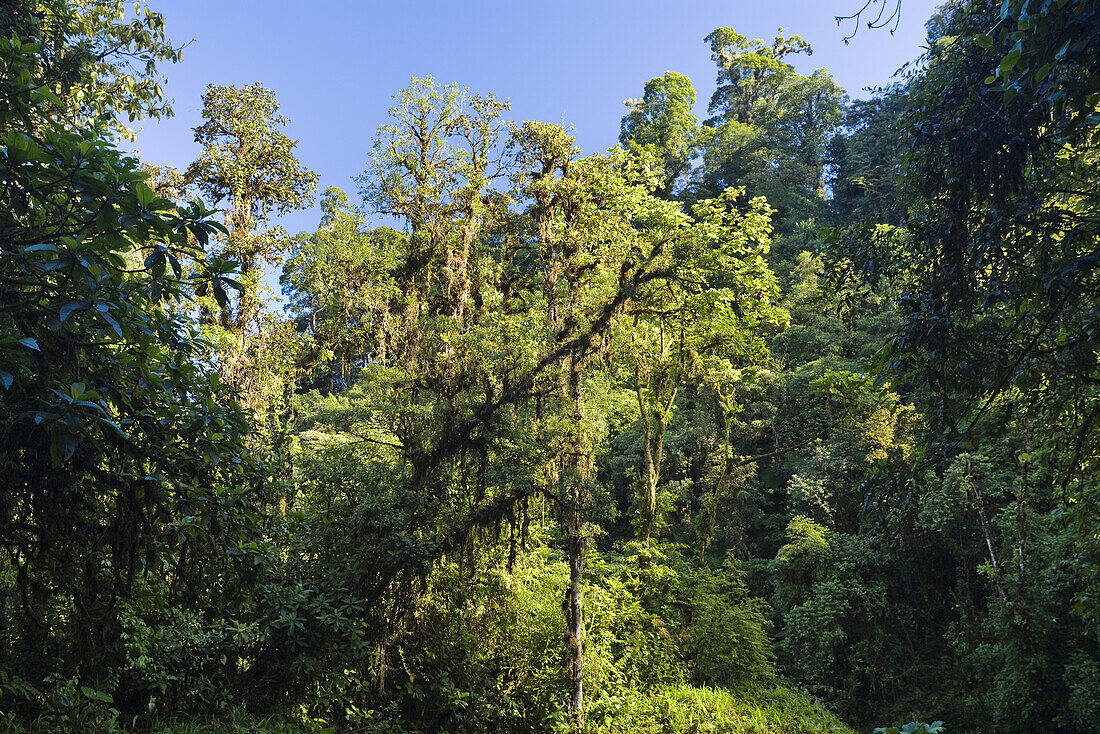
335 65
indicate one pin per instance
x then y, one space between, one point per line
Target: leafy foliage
609 442
129 490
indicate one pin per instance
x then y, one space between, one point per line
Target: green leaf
114 426
220 296
50 96
95 695
113 323
1008 63
68 309
145 195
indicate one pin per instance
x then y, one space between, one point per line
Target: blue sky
335 64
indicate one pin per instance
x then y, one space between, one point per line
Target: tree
994 266
663 125
866 160
249 163
477 439
701 323
100 64
771 126
749 72
126 479
339 283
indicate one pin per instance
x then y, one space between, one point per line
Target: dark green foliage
131 505
993 278
770 126
867 161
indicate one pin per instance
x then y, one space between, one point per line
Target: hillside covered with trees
782 420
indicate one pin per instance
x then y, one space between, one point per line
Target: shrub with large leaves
123 463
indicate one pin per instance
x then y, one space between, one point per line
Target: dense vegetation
783 421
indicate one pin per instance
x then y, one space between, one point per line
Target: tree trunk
572 606
647 490
574 626
653 450
986 532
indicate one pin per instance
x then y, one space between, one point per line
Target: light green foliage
749 71
234 721
98 57
703 618
683 709
701 324
483 652
727 636
246 160
248 165
431 168
805 557
339 283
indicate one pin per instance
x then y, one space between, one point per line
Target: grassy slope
681 709
693 710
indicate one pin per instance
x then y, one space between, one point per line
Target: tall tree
749 72
771 126
662 124
248 163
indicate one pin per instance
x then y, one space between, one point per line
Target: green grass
688 709
679 709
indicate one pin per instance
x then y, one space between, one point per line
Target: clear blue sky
335 64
